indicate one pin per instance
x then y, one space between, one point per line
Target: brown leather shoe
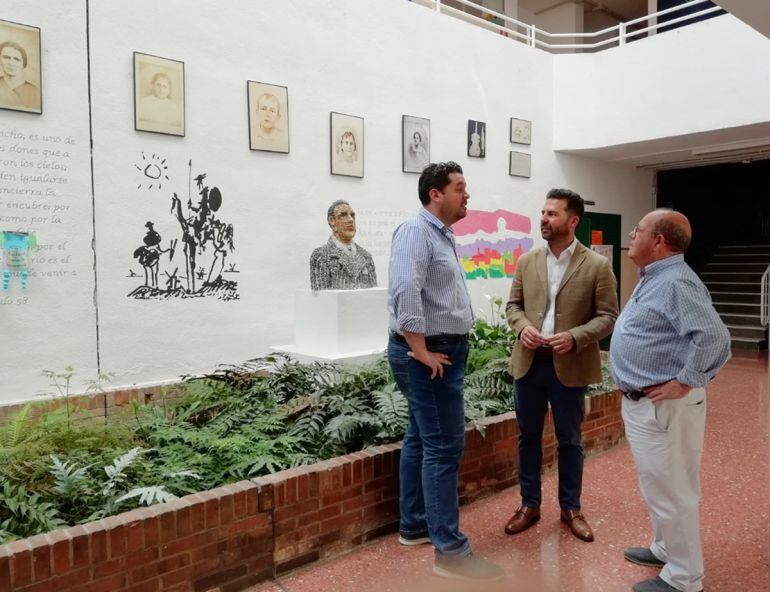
522 519
577 524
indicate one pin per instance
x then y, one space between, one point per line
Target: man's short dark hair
334 206
676 236
18 48
575 205
435 176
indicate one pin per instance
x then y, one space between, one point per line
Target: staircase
734 279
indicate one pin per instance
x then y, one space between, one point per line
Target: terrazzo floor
735 519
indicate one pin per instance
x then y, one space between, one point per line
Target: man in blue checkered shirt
667 344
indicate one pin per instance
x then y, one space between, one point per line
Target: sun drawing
154 171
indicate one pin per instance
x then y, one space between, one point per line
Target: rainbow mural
489 244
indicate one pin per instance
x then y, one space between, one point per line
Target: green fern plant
24 514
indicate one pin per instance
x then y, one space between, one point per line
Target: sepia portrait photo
158 95
521 131
268 117
20 85
520 164
477 138
347 145
415 142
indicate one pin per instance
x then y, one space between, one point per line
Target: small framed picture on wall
347 144
520 164
158 95
521 131
20 68
268 117
477 138
415 143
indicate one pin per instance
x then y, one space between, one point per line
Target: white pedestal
349 326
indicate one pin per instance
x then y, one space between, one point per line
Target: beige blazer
586 306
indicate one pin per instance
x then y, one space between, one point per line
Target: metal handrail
530 35
764 298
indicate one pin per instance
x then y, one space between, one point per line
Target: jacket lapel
576 261
542 268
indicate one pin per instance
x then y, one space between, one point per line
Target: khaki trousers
667 443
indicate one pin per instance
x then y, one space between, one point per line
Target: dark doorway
727 204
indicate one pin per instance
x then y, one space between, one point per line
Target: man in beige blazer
563 301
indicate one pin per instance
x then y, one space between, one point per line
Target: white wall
708 76
373 58
52 323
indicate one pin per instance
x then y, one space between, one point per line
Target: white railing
764 313
619 34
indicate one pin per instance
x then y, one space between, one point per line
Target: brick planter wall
232 537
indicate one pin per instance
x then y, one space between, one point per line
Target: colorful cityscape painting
489 244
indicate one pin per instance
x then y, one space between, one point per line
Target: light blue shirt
668 330
426 285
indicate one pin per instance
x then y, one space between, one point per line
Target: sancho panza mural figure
341 264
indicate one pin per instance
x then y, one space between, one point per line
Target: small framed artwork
268 116
521 131
21 83
347 145
158 95
477 138
415 143
520 164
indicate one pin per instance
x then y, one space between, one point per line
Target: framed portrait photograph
520 164
415 143
521 131
158 95
347 145
477 138
268 116
20 68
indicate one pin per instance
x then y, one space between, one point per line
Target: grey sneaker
410 540
468 567
642 556
655 585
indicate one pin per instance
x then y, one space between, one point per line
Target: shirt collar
351 248
662 264
436 222
570 249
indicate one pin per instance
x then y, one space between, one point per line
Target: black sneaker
410 540
468 567
642 556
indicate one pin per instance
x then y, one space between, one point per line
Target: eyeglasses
636 230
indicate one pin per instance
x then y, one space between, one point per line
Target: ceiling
735 144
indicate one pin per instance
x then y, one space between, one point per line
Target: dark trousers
534 391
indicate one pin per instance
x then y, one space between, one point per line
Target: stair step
741 320
739 308
747 331
742 287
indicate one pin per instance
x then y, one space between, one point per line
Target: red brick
175 577
61 551
167 526
117 538
81 553
212 513
183 521
142 557
173 563
98 537
186 543
106 568
73 578
151 529
21 563
197 516
45 586
143 573
108 584
5 569
148 586
205 566
134 539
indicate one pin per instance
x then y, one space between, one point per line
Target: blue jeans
433 444
534 391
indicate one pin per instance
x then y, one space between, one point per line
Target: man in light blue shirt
668 343
430 316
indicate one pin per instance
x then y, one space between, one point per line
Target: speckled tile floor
735 521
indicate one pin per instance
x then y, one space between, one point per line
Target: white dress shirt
556 267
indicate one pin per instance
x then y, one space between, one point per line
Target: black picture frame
17 39
521 131
342 162
150 116
520 164
414 160
477 139
281 143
